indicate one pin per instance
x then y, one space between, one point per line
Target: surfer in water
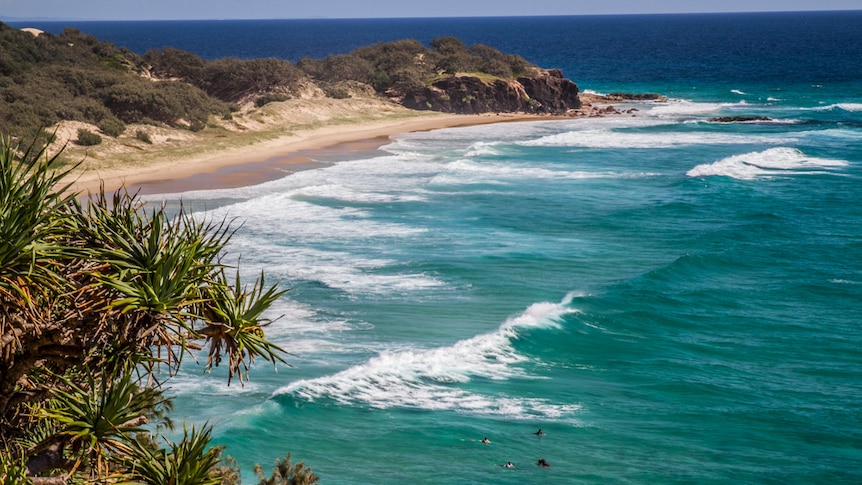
540 432
486 440
509 465
543 463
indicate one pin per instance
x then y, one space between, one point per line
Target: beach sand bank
254 147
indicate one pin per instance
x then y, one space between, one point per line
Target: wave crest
432 379
771 162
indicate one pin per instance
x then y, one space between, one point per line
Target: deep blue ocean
672 300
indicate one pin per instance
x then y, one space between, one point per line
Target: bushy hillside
47 78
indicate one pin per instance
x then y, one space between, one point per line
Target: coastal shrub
231 79
518 64
196 126
174 63
137 100
397 54
336 91
407 79
451 55
111 126
396 65
87 138
270 98
381 81
74 76
347 68
313 68
492 61
143 136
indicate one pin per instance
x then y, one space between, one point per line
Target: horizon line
225 19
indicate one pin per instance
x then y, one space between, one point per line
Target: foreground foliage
95 298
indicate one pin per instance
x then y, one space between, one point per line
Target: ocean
671 299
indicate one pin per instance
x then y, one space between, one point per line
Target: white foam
188 381
855 107
736 91
852 107
465 172
483 148
677 107
594 93
430 378
340 270
610 139
771 162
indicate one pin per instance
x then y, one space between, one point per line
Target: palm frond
235 321
187 462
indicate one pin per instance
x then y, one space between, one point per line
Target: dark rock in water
739 119
547 93
634 97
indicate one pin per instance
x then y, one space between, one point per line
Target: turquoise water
671 299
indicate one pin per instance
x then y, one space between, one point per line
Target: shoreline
259 161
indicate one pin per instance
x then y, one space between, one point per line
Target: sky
11 10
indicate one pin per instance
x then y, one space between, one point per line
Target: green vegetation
73 76
143 136
112 126
87 138
95 299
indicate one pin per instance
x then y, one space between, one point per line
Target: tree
95 298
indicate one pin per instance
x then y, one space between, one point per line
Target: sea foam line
611 139
430 378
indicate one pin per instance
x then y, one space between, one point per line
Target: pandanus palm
87 292
155 268
32 250
189 461
100 415
235 317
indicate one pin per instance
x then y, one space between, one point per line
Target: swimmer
540 432
543 463
486 440
509 465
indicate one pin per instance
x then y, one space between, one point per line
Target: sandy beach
253 147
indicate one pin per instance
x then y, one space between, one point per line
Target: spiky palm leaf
287 473
154 267
235 321
187 462
99 415
13 469
32 205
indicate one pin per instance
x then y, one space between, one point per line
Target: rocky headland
546 93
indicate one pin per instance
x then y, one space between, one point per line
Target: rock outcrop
547 93
740 119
